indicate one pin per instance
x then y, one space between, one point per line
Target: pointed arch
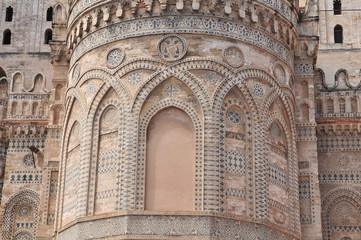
59 14
106 97
331 199
236 133
28 200
239 81
105 153
67 177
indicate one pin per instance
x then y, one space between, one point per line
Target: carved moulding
203 24
163 226
282 7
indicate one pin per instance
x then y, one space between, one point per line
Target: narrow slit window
7 37
337 7
338 33
9 14
49 14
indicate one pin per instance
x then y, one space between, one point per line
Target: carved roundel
234 116
233 56
275 131
344 161
279 73
344 210
115 57
171 90
25 211
28 160
109 118
23 235
172 48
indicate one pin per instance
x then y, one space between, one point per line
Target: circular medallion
24 211
234 116
344 161
172 48
279 73
233 56
258 90
135 78
115 57
275 131
171 90
109 117
344 210
28 160
211 78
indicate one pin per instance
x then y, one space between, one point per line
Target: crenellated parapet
266 24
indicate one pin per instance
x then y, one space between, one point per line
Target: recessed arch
170 170
24 198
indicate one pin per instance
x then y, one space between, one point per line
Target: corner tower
180 120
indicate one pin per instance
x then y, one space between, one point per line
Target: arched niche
58 92
21 216
330 106
175 94
71 173
235 150
59 13
106 152
169 180
303 89
304 113
341 207
17 83
38 84
3 88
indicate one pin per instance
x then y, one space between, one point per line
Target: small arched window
7 37
337 7
342 105
319 107
48 36
338 34
9 14
330 107
49 14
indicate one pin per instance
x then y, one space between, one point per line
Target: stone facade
173 119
